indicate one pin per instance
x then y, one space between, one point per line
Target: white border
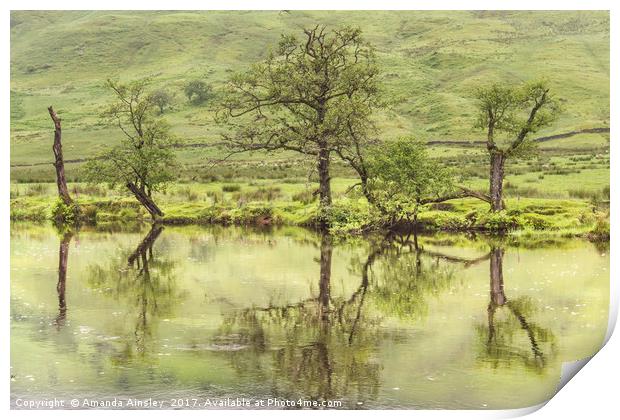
593 395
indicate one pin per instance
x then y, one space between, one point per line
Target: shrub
89 212
188 194
128 213
260 194
216 196
444 221
231 187
442 206
601 227
499 221
534 221
305 197
36 189
344 217
198 91
63 213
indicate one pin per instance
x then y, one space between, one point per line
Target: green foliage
260 194
231 187
305 196
63 213
436 104
313 96
198 92
601 230
534 221
439 220
402 175
144 155
346 217
162 99
510 114
499 221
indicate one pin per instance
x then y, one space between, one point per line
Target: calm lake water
186 312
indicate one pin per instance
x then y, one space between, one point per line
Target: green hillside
431 61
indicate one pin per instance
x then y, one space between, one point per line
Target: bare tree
59 164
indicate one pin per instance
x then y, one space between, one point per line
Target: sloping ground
431 61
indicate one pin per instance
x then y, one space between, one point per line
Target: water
402 322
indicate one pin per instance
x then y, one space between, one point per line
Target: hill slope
430 59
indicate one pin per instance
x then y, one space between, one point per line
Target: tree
162 99
402 177
143 161
198 91
308 96
66 210
510 114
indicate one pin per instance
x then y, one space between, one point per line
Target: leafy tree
311 96
510 114
198 91
143 161
402 177
162 99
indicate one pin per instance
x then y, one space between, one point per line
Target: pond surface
385 322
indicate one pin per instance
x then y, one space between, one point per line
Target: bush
231 187
305 197
128 213
89 212
444 221
62 213
216 196
601 227
198 91
534 221
499 221
345 217
263 194
188 194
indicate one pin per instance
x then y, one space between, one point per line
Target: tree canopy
143 160
403 177
310 95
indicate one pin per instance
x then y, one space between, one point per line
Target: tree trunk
325 193
325 277
59 164
63 257
146 245
145 200
498 298
496 181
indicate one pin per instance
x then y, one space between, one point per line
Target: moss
347 216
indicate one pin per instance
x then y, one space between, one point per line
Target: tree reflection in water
502 344
327 346
145 282
63 257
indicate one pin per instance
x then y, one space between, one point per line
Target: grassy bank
292 203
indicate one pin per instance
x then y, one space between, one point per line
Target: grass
431 60
276 203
